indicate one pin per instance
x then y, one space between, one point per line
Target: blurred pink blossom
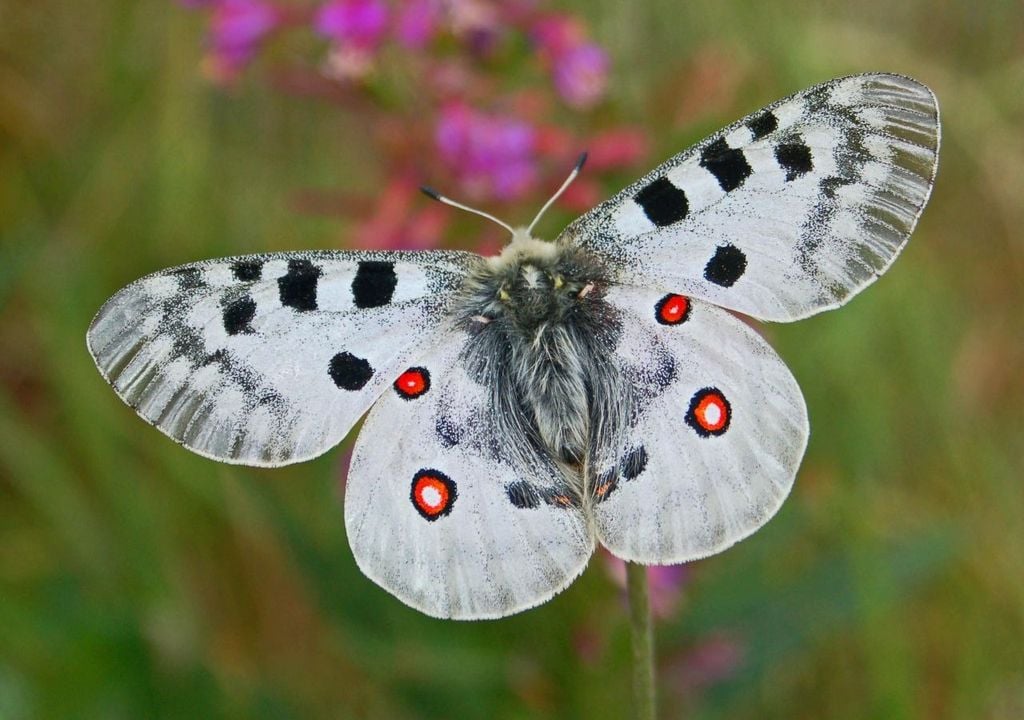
417 23
581 75
711 660
476 22
489 154
579 67
361 23
399 221
473 16
590 643
348 62
237 28
557 34
617 149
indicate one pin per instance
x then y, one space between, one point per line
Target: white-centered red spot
672 309
709 413
413 383
433 494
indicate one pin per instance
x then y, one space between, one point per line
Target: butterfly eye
503 295
558 282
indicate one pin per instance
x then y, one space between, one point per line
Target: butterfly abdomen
541 340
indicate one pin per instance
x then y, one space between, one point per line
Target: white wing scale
270 359
441 516
715 444
786 213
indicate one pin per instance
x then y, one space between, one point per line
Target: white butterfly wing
441 513
270 359
786 213
718 430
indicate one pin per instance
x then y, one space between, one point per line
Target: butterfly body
538 326
594 389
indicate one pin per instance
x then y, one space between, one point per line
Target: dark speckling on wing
818 192
270 359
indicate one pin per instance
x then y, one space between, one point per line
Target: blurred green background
138 580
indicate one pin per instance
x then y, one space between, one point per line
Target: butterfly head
532 285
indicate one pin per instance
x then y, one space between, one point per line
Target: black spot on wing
247 270
374 284
728 165
189 278
662 202
562 497
726 266
523 495
298 287
349 372
763 124
238 314
794 158
633 463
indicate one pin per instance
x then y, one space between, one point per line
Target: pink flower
713 659
579 67
581 75
476 23
616 149
556 34
401 220
491 155
237 27
416 24
361 23
349 62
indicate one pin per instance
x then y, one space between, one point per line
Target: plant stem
643 641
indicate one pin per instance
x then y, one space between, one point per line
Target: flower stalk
642 636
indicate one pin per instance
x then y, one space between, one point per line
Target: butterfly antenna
433 194
568 181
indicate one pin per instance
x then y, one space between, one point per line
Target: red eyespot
412 383
672 310
709 412
433 494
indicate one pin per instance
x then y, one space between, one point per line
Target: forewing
445 513
718 430
270 359
788 212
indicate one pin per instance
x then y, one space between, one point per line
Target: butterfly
523 408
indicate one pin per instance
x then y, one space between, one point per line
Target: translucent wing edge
570 577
